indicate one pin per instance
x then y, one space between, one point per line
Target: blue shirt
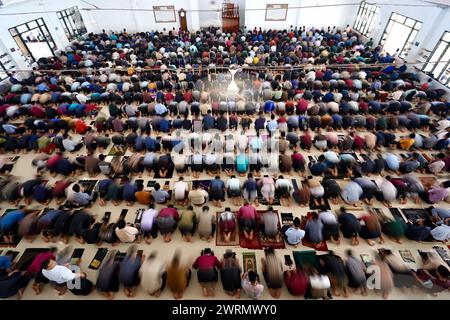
160 196
164 125
9 128
259 123
41 193
208 122
318 168
392 162
5 262
217 185
352 192
10 219
160 109
104 184
443 213
82 198
64 167
128 270
129 190
48 217
294 236
314 229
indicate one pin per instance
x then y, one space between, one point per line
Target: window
34 40
6 63
276 12
399 34
164 14
72 22
365 18
438 65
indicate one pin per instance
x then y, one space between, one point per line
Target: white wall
210 18
338 16
308 15
132 20
257 18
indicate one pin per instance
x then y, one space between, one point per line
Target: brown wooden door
183 21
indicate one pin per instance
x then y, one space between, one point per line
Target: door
397 38
183 21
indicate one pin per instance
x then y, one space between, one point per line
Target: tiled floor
190 251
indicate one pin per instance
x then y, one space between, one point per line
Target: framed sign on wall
164 14
276 12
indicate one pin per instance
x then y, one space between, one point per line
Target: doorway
399 34
34 40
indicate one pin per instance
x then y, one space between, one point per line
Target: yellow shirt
406 143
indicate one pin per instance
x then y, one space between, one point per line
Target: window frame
41 25
70 29
393 18
368 11
436 62
4 68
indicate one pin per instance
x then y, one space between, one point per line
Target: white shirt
69 145
319 282
243 142
210 159
59 274
180 188
127 234
151 275
283 183
327 217
252 291
234 184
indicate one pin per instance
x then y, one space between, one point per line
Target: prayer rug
98 258
305 259
265 242
249 261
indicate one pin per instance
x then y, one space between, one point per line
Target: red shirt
90 107
247 212
37 111
297 158
80 126
306 139
358 142
36 265
169 212
302 105
187 97
364 106
53 160
398 183
296 282
168 96
59 187
207 261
